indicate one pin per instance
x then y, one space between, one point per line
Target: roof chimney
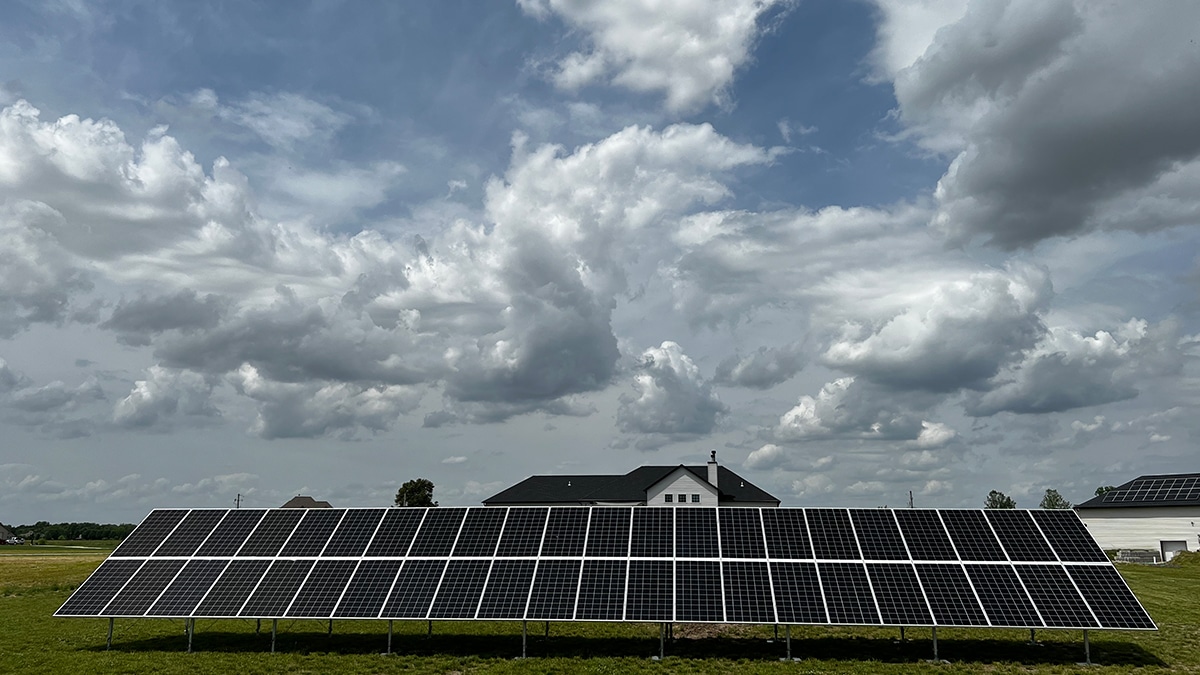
712 469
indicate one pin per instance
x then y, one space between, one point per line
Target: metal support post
257 626
788 630
524 635
330 627
1087 649
108 644
1032 636
191 630
902 633
776 631
389 651
274 626
547 629
662 641
935 649
429 633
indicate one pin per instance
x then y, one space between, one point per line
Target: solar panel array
1186 488
890 567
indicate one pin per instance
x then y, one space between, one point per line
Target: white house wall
1143 527
681 482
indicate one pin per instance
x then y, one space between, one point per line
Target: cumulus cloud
768 456
848 409
135 321
39 281
689 51
162 394
670 396
56 396
1020 93
762 369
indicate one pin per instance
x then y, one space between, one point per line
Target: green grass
33 641
82 546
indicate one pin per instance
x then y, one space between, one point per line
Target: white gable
681 482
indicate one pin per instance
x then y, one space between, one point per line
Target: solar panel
190 533
354 533
847 593
188 588
272 533
313 532
231 533
1157 490
650 595
144 588
950 595
798 596
232 589
1019 536
108 579
413 591
696 533
698 590
741 534
601 591
878 535
154 529
566 528
748 592
608 532
438 532
555 587
1002 596
277 588
480 532
1055 596
1110 599
368 588
899 596
653 533
786 533
832 535
972 535
322 589
507 589
926 538
1067 535
523 530
395 533
462 586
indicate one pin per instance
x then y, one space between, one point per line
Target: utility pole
237 501
910 502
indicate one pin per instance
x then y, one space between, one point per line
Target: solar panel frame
231 590
1020 536
143 589
460 590
650 590
312 533
188 588
277 588
438 533
1003 596
898 594
354 533
368 590
1067 536
741 533
555 590
1058 601
749 597
849 598
696 533
925 535
566 531
271 533
100 587
951 596
1109 597
229 535
152 532
524 528
412 598
652 534
394 536
191 532
699 597
796 588
832 534
608 532
602 590
480 533
786 532
878 534
507 591
322 589
972 535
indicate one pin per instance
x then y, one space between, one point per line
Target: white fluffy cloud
848 409
162 394
690 51
670 397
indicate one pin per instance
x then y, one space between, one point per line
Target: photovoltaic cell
277 588
395 533
608 533
231 533
696 533
972 536
651 589
927 539
798 593
847 593
507 589
1019 536
322 589
414 589
153 530
188 588
899 596
787 534
878 536
741 534
313 532
1110 599
1069 538
272 532
748 592
144 588
950 595
565 531
192 532
99 588
1055 596
555 584
698 589
462 585
653 533
522 532
233 588
354 533
480 532
832 537
1002 596
368 588
602 591
438 532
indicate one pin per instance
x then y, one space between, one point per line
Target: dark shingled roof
305 502
1172 489
630 487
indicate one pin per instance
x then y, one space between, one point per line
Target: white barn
1159 513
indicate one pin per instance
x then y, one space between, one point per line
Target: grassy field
84 546
33 641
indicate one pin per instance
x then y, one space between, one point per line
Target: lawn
33 641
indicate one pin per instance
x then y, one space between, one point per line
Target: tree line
1051 500
67 531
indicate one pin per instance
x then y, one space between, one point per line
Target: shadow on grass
303 640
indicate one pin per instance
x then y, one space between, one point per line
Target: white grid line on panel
537 564
866 572
292 533
434 597
500 536
625 591
995 534
486 579
720 559
417 532
210 532
1074 585
345 512
118 591
176 527
349 580
542 541
911 562
816 567
1045 539
1010 561
587 531
392 588
629 541
766 558
212 586
168 585
257 524
970 582
300 588
461 524
252 590
674 559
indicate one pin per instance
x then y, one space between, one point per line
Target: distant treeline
65 531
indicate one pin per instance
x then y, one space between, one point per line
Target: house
6 534
305 502
678 485
1158 513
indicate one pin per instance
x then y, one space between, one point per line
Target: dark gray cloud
136 321
670 398
162 395
762 369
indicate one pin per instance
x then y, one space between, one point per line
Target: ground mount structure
817 566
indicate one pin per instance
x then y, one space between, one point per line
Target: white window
695 499
682 499
667 498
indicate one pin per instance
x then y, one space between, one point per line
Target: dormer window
667 498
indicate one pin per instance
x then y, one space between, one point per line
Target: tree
1104 488
999 500
1053 500
416 492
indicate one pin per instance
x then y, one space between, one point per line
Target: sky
857 248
